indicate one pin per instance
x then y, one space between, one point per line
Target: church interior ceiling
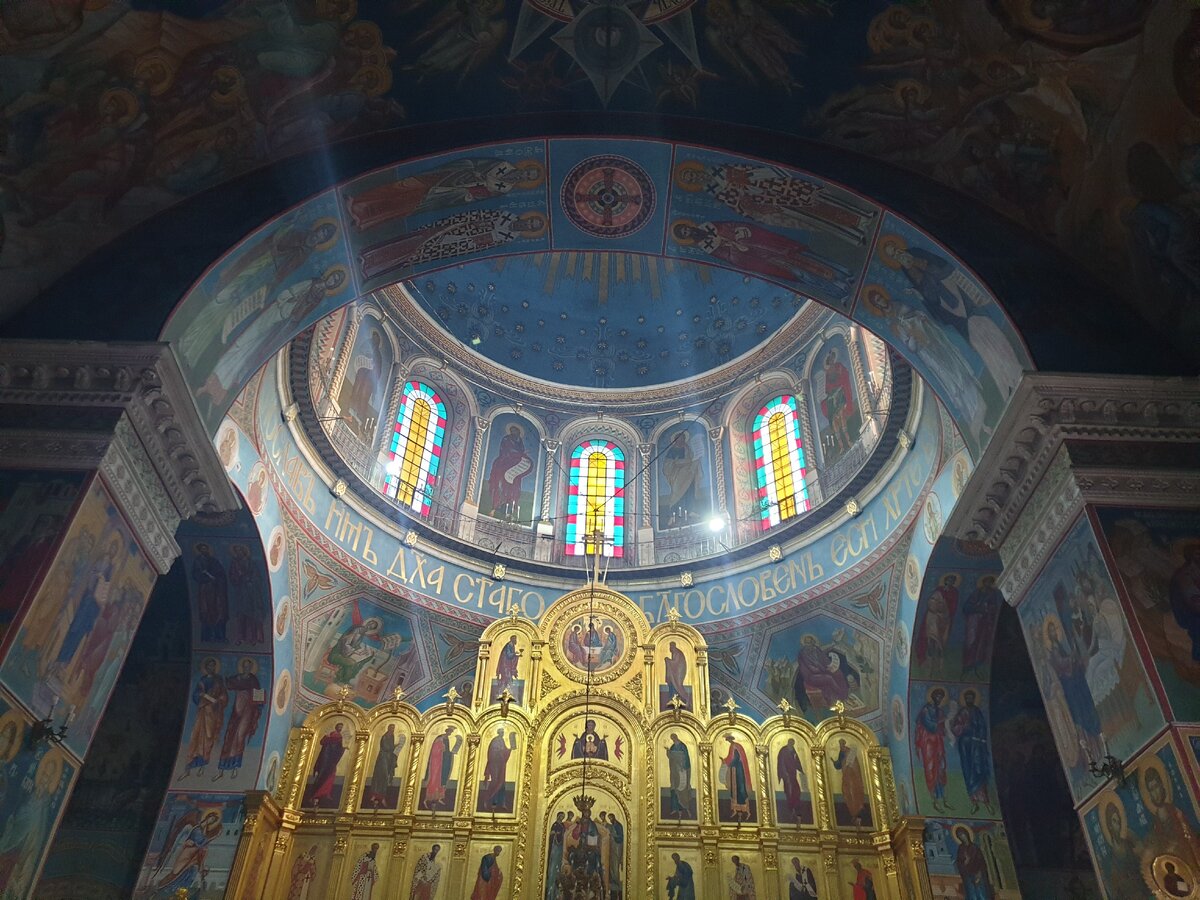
115 110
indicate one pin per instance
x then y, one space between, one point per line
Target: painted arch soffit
620 207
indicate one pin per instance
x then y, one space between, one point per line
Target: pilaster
1103 623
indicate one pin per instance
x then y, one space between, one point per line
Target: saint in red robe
489 879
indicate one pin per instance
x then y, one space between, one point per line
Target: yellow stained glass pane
779 451
414 451
594 498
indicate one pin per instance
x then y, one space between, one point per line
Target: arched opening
1046 836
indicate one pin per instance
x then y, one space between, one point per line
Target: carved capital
1048 410
142 380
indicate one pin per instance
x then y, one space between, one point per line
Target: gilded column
706 794
408 805
466 800
766 811
820 793
354 780
703 701
295 766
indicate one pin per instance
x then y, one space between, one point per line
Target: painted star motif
607 41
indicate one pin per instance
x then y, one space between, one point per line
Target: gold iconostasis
585 765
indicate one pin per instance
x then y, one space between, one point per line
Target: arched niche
686 486
361 383
621 435
739 423
509 456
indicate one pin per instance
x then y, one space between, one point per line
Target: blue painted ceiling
606 320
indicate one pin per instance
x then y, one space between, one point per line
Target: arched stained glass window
779 461
597 499
416 450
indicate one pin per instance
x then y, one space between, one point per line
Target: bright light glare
716 523
393 467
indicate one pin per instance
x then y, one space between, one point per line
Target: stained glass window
596 499
779 461
416 450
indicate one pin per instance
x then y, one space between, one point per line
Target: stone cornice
1048 410
145 382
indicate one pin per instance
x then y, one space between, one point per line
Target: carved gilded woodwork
507 764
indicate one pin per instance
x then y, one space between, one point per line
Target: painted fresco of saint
182 861
364 875
679 774
735 777
490 876
427 875
360 394
493 790
507 474
838 406
971 866
304 870
675 670
212 594
376 794
455 236
322 787
969 726
589 744
773 196
932 634
741 881
681 884
789 772
980 611
753 248
686 498
929 738
356 647
459 182
506 672
210 699
854 792
949 298
247 596
248 702
824 675
802 882
439 769
25 834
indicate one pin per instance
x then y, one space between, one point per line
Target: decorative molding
131 476
62 450
1048 410
144 380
